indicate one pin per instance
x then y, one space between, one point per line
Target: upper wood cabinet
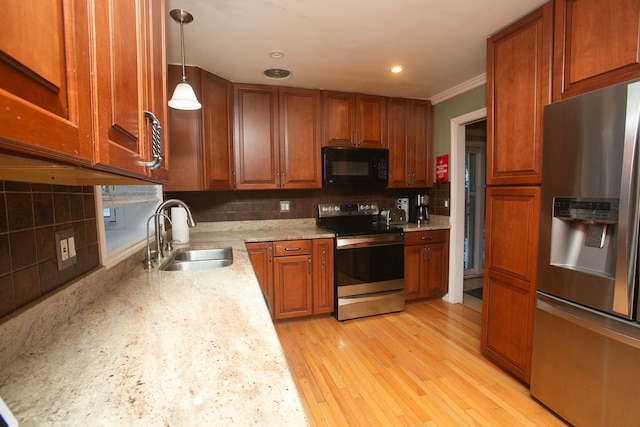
277 137
129 76
45 80
410 142
518 88
300 138
256 136
354 120
200 142
596 44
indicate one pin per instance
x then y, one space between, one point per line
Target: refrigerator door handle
627 244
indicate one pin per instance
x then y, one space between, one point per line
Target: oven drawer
426 237
292 247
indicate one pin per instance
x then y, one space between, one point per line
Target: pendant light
184 98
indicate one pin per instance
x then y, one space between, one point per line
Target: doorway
457 219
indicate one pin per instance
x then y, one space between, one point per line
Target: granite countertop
159 348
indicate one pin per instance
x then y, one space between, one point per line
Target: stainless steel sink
198 259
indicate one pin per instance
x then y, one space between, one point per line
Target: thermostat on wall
6 417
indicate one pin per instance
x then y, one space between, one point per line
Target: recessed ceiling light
276 73
276 54
397 69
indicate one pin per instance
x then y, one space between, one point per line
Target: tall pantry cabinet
595 44
518 87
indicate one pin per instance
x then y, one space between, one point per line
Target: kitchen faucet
148 262
171 202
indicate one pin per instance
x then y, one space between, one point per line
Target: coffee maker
422 209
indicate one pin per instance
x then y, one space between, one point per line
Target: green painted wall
444 111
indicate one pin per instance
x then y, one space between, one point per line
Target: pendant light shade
184 98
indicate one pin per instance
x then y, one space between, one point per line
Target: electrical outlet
65 248
284 205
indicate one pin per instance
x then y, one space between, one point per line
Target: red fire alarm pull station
442 168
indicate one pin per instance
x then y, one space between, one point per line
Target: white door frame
456 204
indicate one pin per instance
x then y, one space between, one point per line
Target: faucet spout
149 262
170 202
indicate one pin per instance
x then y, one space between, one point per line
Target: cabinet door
400 170
512 222
421 148
185 135
123 136
518 87
155 81
371 121
292 281
437 269
323 290
261 256
414 271
256 136
339 123
300 138
595 45
217 132
45 80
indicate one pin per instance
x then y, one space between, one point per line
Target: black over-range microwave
355 166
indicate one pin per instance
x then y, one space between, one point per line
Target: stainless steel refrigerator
586 345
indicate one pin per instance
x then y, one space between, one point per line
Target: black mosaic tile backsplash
30 214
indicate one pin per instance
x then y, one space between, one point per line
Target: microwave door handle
627 244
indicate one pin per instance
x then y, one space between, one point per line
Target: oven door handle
369 240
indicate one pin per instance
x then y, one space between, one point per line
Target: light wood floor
419 367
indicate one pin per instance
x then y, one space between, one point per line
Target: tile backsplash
213 206
30 215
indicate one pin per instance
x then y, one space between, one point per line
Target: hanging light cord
184 77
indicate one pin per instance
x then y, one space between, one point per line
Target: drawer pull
293 249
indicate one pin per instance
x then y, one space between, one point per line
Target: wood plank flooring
422 366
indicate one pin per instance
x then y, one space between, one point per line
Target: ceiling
345 45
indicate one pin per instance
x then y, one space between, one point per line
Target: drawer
291 247
426 237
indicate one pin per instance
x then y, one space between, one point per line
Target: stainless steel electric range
369 259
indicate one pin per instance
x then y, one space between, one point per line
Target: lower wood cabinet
296 276
508 303
426 264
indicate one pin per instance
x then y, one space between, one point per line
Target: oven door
369 275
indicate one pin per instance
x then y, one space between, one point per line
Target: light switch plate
65 248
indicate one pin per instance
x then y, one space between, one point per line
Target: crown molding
458 89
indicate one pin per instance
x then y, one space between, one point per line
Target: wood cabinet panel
323 281
371 121
508 325
45 80
399 113
300 115
256 136
437 269
261 257
426 264
201 141
125 85
217 138
414 271
354 120
596 44
421 131
518 88
512 223
409 126
292 286
339 119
